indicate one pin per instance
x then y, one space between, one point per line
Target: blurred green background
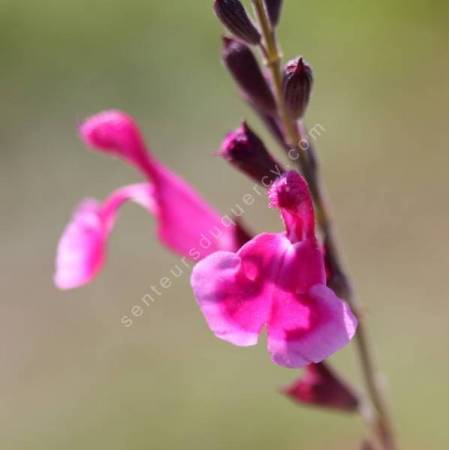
71 376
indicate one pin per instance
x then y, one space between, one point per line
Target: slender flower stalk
339 280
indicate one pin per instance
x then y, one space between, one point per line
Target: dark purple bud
241 234
274 10
233 15
297 86
244 68
245 150
320 386
366 445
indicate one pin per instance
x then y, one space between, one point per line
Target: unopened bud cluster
281 101
251 79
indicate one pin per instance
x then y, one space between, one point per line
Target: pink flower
276 281
320 386
186 223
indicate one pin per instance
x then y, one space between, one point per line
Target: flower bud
297 86
233 15
274 10
245 150
366 445
319 386
241 234
244 68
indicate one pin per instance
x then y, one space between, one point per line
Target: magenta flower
186 223
276 281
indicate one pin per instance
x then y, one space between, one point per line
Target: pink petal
306 328
82 248
80 252
233 292
301 266
187 224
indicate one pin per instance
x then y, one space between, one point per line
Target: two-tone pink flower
275 281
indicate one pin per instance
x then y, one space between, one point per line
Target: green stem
340 282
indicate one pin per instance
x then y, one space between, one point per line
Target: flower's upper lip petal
80 254
290 193
234 289
308 328
116 133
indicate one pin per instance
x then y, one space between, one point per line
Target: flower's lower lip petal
241 292
233 290
81 250
234 311
308 328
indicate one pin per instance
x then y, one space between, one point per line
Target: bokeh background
71 376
